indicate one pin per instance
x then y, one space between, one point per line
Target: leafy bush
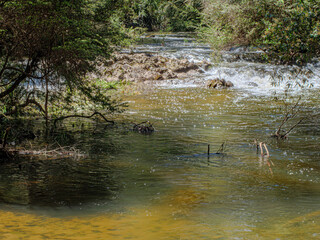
47 47
165 15
288 31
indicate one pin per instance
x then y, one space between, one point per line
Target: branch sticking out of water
222 148
290 114
263 148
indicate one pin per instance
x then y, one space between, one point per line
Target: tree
50 46
288 31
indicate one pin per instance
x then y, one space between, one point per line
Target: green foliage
165 15
287 30
47 47
294 36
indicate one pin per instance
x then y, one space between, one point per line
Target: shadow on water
57 181
62 182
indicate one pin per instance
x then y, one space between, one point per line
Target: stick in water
265 147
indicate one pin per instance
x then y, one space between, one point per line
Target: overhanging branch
82 116
19 79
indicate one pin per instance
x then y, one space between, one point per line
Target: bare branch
19 79
291 113
82 116
300 121
28 74
27 103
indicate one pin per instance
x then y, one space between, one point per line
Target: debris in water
143 127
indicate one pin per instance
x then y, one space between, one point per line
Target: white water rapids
237 65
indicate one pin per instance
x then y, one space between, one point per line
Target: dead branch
25 104
262 146
287 116
267 151
82 116
222 148
299 122
30 66
143 127
290 114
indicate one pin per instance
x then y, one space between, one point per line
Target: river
165 185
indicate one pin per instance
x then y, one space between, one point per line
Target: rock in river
219 83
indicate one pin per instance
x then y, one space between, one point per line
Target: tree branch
287 116
300 121
19 79
27 103
82 116
4 64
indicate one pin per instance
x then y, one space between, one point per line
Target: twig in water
267 152
290 114
222 148
262 146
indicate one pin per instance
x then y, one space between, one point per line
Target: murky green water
164 185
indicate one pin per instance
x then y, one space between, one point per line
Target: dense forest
48 47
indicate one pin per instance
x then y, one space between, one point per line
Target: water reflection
62 182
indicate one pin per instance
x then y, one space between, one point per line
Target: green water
164 185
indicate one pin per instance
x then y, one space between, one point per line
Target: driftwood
263 147
83 116
264 155
143 127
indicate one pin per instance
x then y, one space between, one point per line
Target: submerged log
144 128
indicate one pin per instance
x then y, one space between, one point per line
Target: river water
165 185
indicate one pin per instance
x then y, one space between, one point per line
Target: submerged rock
219 83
